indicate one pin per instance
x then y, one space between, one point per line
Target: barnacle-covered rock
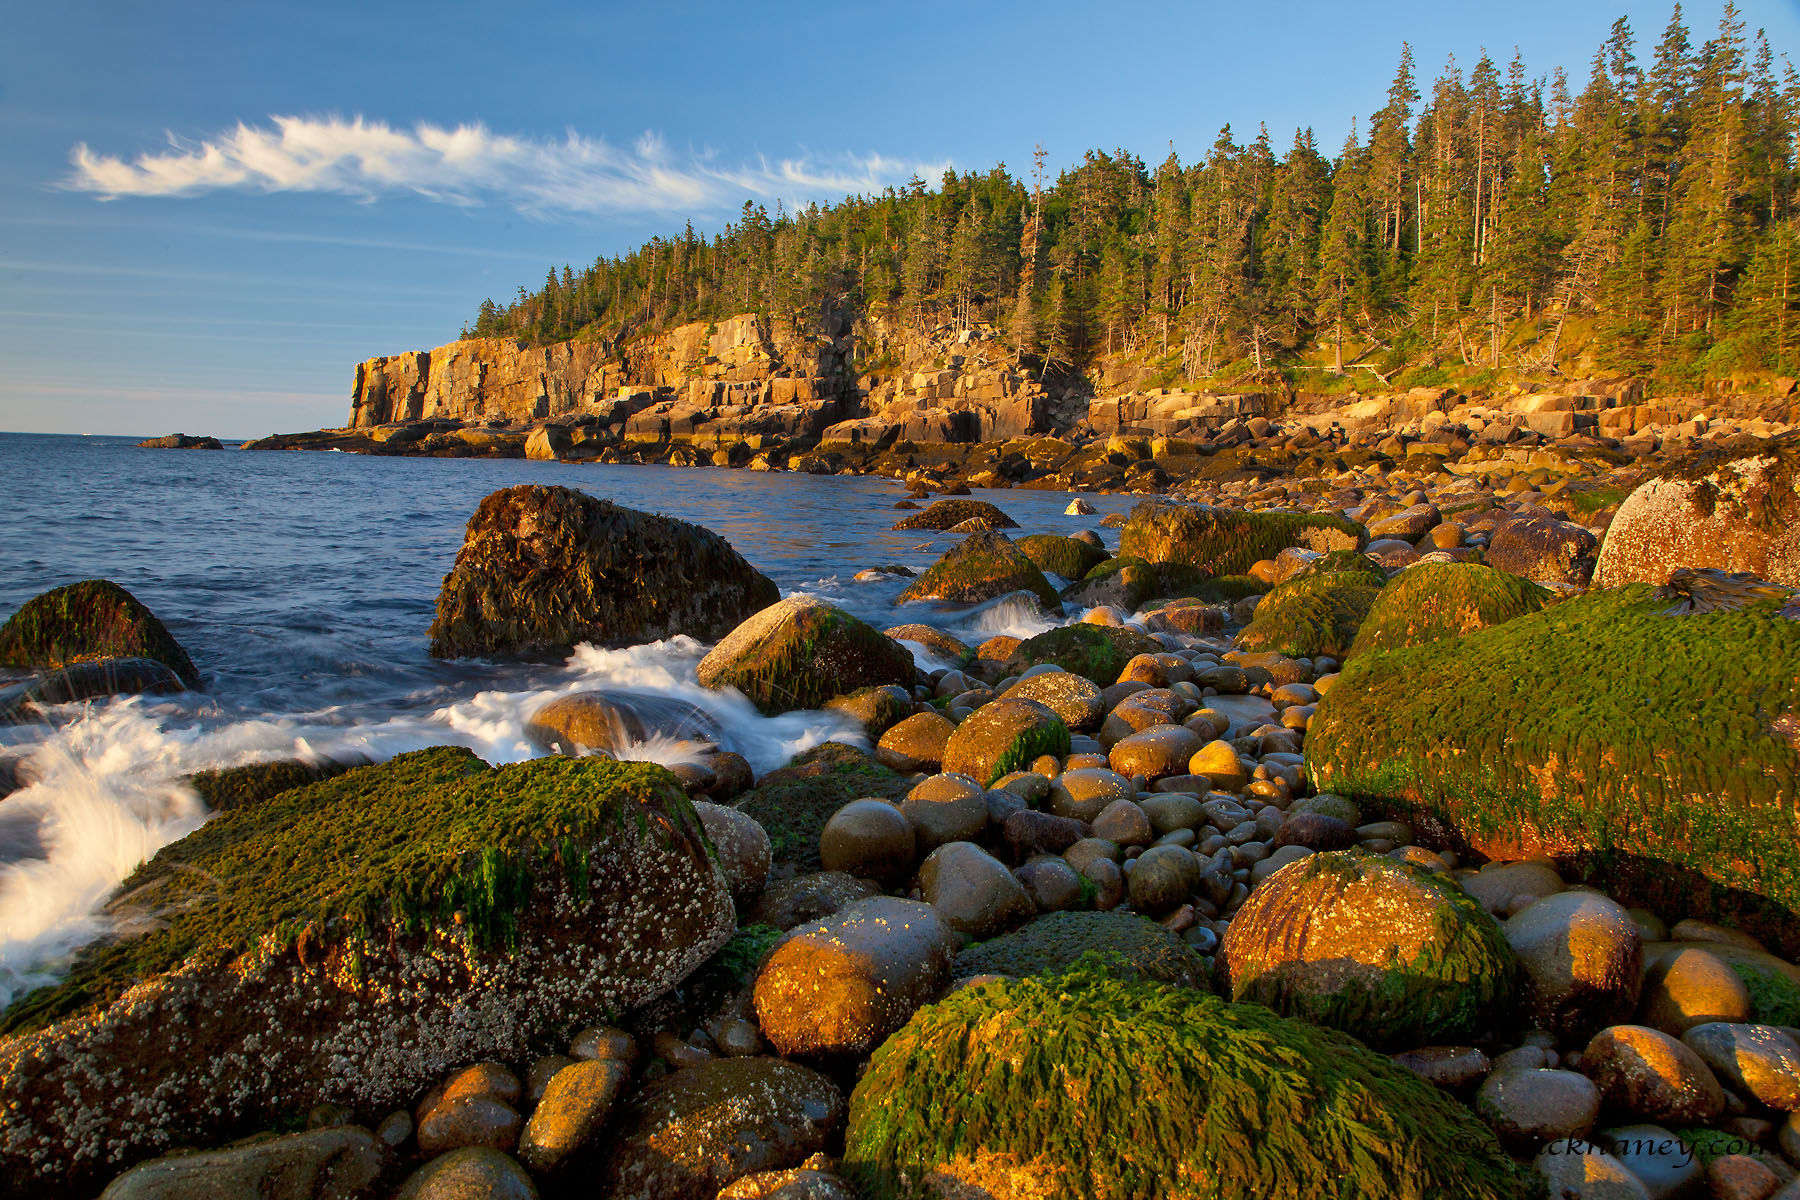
348 941
1660 747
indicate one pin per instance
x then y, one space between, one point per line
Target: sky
209 213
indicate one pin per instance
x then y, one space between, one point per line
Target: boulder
875 709
1392 954
915 744
946 808
1581 957
615 722
790 902
1071 697
981 567
1528 1106
945 514
1728 509
1126 945
1435 601
573 1108
741 846
234 787
1220 1099
547 443
1002 737
87 621
794 802
686 1135
1541 548
841 985
1069 557
1311 615
973 891
800 652
23 702
869 839
458 896
1091 651
341 1162
934 640
1649 1074
1760 1062
544 568
1621 711
1222 541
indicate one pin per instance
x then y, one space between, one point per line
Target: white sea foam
107 791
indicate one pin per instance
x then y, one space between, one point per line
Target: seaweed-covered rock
1727 509
800 652
1543 548
348 941
1123 944
686 1135
1438 600
944 514
1095 652
1005 1086
841 985
876 709
1002 737
981 567
1660 746
544 568
794 803
234 787
1224 541
86 621
1310 615
1128 583
1393 954
1069 557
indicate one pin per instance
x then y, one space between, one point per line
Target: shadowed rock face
543 569
87 621
1727 514
230 1005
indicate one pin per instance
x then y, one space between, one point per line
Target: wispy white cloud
471 165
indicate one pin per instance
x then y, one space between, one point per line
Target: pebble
477 1120
1450 1067
475 1173
1663 1163
1691 987
1579 1170
1758 1061
575 1105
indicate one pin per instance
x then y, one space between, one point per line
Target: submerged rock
346 942
947 514
544 568
88 681
612 721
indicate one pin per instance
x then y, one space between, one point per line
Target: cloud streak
470 165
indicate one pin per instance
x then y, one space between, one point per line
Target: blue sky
210 213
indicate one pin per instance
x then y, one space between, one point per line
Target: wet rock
86 621
972 890
1530 1107
946 514
801 652
742 845
469 1120
1156 752
871 839
574 1106
1692 987
790 902
1497 884
1582 958
1649 1074
477 1173
1075 700
544 568
982 567
799 1183
1665 1165
1029 832
1757 1061
1454 1068
1003 737
86 681
1578 1170
841 985
1543 549
946 808
875 709
1162 878
915 744
1123 822
343 1161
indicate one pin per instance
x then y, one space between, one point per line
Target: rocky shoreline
1392 812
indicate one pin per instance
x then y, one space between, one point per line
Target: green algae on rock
346 942
542 569
234 787
1223 541
801 652
794 802
981 567
1069 557
1310 615
944 514
1082 1085
1392 954
1434 601
1004 736
1122 944
1652 748
1095 651
86 621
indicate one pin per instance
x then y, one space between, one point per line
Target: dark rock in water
341 1161
542 569
234 787
470 914
88 681
947 514
801 652
180 441
611 721
93 619
689 1134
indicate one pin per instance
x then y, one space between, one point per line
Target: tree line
1487 221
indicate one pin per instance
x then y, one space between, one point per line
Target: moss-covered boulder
1069 557
234 787
1616 732
1733 508
1224 541
794 803
1082 1085
1122 944
945 514
1097 652
1437 600
347 942
1310 615
87 621
1389 953
542 569
983 566
801 652
1002 737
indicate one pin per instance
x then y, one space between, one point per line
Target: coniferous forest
1483 221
